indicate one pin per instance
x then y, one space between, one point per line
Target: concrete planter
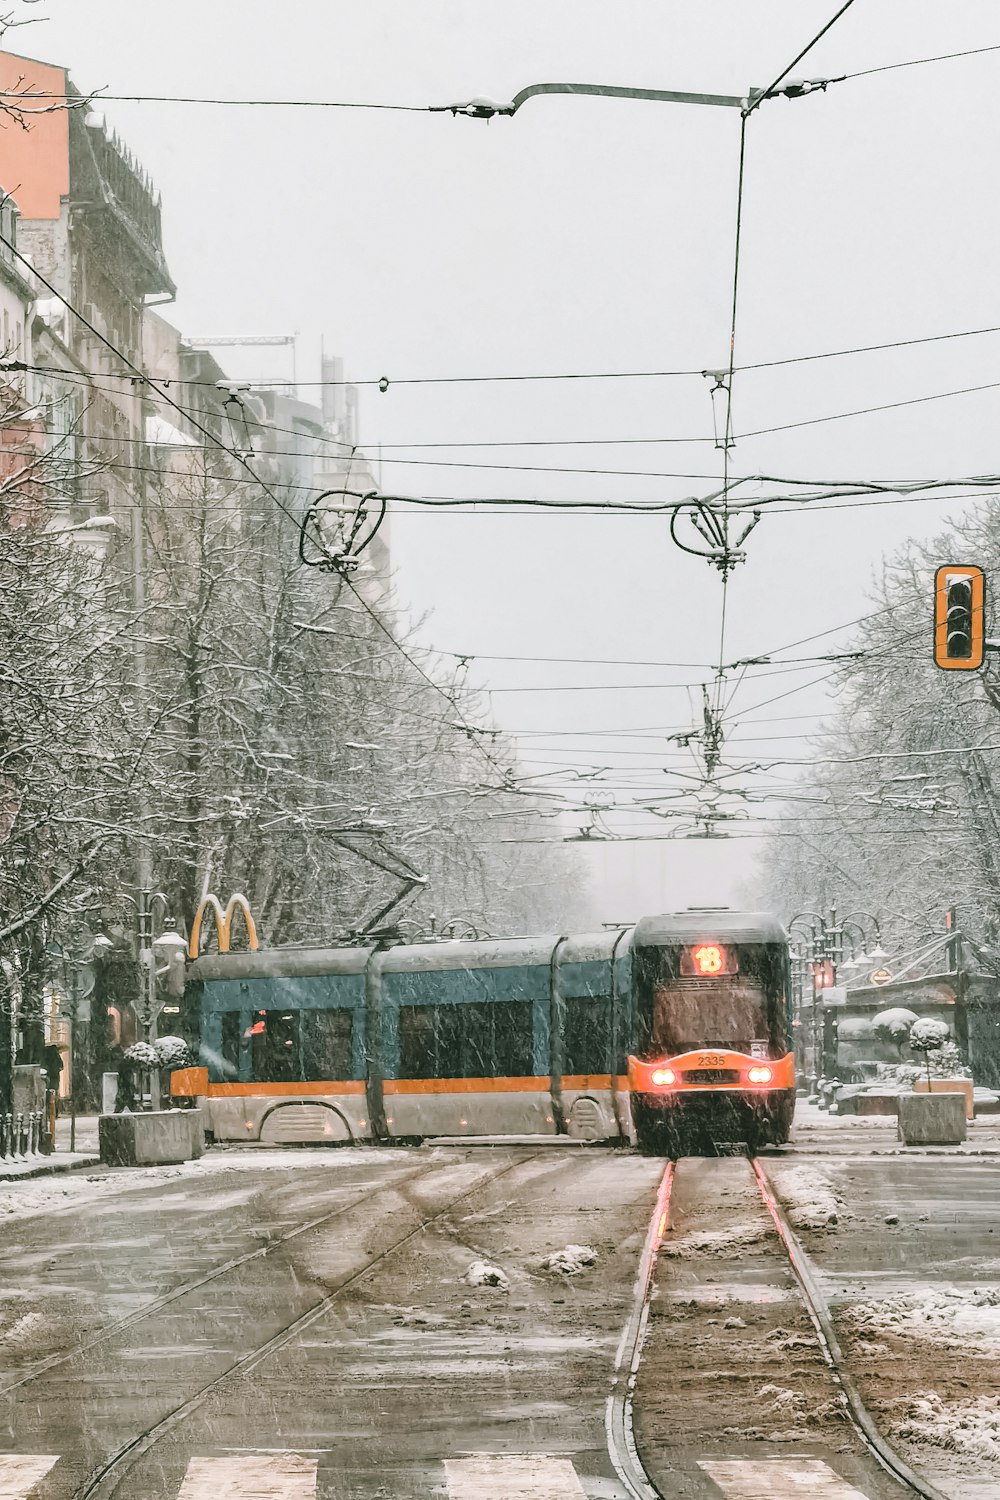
156 1138
876 1104
948 1086
931 1119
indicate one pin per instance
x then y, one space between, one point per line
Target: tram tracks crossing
738 1478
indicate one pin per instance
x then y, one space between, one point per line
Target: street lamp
75 967
824 938
145 903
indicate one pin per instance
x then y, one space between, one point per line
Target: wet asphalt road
407 1376
404 1371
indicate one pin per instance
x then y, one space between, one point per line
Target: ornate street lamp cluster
819 945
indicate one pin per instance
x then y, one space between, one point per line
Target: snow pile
937 1316
780 1402
784 1342
808 1197
571 1260
482 1274
23 1332
928 1035
946 1062
893 1025
173 1052
716 1241
141 1055
970 1428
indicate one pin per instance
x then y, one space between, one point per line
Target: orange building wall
34 163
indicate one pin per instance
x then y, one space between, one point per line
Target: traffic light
959 617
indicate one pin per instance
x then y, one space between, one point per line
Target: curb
50 1168
954 1152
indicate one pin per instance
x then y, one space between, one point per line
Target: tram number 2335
710 1060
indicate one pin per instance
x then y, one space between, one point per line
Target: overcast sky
595 235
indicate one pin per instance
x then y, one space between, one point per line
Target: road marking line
282 1476
778 1479
20 1472
512 1477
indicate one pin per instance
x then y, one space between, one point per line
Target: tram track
623 1448
196 1284
822 1321
106 1481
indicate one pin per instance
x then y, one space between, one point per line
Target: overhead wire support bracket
486 109
344 557
711 525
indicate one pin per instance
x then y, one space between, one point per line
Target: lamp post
818 960
73 967
146 903
823 941
76 995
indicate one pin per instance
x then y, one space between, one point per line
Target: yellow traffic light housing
959 617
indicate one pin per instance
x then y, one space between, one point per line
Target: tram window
416 1042
511 1041
713 1014
327 1037
229 1068
587 1035
274 1040
465 1041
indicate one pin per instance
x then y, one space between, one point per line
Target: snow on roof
160 431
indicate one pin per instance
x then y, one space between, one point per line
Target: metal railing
23 1134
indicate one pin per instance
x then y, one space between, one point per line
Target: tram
567 1035
713 1054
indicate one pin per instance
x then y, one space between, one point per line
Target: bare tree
909 821
302 752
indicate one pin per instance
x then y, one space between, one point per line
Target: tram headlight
664 1077
759 1075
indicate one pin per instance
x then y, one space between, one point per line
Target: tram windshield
742 1009
713 1013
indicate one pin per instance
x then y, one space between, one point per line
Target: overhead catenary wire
241 460
102 96
755 104
921 62
724 557
558 375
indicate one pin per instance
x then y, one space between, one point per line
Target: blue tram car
561 1035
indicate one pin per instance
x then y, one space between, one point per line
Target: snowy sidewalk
61 1159
816 1132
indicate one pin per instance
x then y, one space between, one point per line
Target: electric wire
100 96
527 376
244 464
798 58
920 62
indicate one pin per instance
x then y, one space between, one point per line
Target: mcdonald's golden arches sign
223 922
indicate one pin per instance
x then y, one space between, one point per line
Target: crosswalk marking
519 1477
272 1476
20 1472
778 1479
